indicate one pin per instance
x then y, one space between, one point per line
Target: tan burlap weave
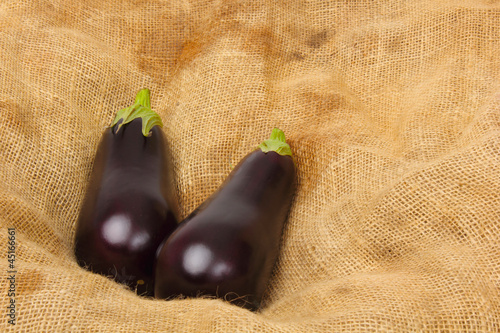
392 109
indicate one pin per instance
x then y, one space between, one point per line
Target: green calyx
276 143
140 109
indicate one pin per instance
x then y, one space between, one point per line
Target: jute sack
392 112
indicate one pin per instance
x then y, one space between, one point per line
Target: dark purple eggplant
228 246
130 205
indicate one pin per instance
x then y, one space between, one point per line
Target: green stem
276 143
143 98
140 109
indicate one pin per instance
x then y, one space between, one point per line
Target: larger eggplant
228 246
130 204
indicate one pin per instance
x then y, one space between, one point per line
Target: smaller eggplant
129 206
228 246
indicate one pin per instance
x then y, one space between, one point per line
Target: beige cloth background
392 112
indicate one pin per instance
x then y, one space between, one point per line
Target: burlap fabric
391 109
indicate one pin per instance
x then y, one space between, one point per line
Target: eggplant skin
228 246
129 207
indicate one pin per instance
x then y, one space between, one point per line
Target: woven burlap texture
392 112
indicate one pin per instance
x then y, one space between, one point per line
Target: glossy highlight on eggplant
130 206
228 246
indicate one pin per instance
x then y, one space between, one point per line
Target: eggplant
130 205
227 247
